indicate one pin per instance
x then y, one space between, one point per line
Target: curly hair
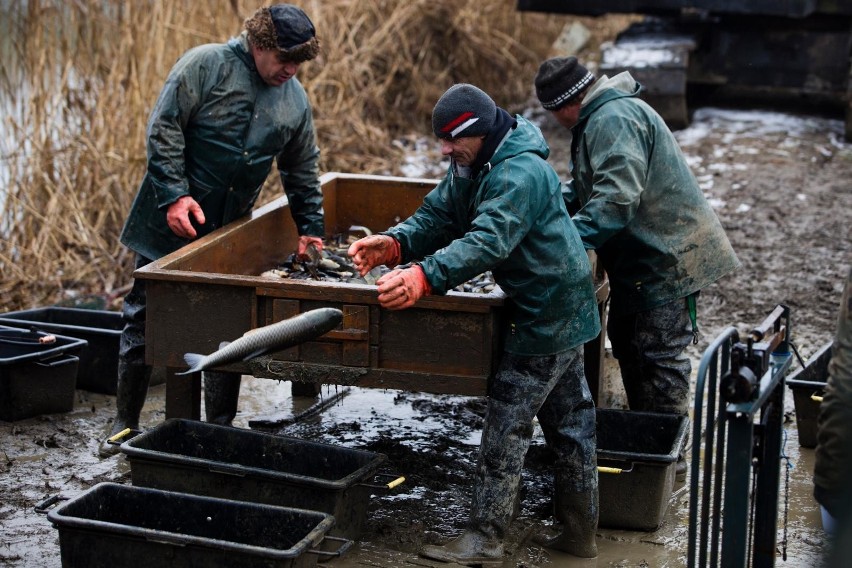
261 34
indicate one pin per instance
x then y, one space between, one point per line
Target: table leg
183 395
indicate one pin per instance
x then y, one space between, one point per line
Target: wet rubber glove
370 252
304 241
178 214
401 289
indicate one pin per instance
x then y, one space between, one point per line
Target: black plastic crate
235 463
808 386
639 451
36 378
98 369
113 525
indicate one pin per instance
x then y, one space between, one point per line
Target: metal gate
733 505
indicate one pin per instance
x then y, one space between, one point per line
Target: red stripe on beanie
458 120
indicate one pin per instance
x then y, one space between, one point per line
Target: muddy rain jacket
635 201
214 133
510 219
833 454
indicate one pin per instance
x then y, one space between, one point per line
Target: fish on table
274 337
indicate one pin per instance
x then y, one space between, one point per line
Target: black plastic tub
36 378
100 328
637 453
808 386
235 463
114 525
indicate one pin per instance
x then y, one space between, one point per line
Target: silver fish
273 337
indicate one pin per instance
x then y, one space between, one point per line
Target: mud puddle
432 440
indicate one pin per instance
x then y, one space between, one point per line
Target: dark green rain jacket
833 454
213 134
635 202
510 219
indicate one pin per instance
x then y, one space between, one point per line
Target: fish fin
194 361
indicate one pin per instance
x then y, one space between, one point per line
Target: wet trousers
221 389
133 374
554 388
649 347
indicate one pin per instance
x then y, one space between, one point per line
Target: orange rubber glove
401 289
177 216
304 241
370 252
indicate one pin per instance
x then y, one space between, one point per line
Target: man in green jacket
833 454
500 208
226 113
636 203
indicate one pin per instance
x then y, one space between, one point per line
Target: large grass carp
273 337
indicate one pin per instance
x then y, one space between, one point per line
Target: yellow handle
396 482
604 469
816 398
120 435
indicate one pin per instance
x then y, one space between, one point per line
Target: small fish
273 337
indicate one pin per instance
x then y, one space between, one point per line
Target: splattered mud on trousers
554 388
650 347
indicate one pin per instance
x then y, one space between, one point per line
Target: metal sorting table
211 291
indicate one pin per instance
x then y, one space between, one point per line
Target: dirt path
780 185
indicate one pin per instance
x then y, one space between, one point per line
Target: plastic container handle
396 481
45 505
117 439
615 470
346 545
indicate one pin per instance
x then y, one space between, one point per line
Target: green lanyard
693 316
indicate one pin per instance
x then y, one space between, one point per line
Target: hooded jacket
509 218
213 134
833 454
635 202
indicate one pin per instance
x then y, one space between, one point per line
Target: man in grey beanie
500 208
636 203
208 157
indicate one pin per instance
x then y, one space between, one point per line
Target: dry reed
79 79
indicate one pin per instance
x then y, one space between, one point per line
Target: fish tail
194 360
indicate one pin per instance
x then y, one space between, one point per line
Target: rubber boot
221 393
131 390
578 512
471 548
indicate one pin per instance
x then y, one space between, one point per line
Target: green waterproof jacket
213 134
833 455
635 201
510 219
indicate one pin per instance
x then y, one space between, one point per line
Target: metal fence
736 446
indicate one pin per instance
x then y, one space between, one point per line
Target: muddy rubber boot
516 505
131 390
221 393
579 515
471 548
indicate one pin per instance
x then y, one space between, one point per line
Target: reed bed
79 79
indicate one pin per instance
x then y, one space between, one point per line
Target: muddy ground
780 184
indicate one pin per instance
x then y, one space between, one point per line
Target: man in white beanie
636 203
500 208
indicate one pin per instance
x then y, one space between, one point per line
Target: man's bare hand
178 217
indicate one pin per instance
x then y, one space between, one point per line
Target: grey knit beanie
560 80
462 111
